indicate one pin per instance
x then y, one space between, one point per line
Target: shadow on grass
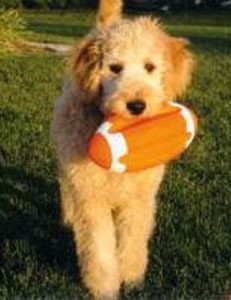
29 212
59 29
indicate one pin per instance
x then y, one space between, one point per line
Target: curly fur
113 215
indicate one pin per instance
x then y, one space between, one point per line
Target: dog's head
131 66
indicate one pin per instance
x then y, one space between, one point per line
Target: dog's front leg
134 225
96 247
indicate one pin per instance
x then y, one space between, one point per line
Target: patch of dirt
48 47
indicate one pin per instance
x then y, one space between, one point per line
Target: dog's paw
133 270
103 287
107 297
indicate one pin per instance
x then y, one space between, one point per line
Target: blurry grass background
190 253
67 26
12 31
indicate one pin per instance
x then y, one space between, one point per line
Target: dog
128 68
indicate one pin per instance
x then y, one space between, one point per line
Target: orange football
126 145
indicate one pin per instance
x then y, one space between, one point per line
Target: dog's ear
86 66
180 66
109 12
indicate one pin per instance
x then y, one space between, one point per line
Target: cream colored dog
127 67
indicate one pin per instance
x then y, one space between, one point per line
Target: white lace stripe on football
187 115
117 145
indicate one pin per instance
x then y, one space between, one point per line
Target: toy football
135 144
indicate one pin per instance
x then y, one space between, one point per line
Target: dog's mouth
125 108
144 103
136 108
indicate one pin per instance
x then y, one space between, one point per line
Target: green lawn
69 27
190 254
59 27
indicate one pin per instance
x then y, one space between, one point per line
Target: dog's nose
136 107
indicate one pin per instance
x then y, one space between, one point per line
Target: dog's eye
116 68
149 67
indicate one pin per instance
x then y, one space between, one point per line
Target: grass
190 254
59 27
12 30
69 27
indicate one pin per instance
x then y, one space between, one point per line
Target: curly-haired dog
127 67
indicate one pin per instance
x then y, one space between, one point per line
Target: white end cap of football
117 145
187 115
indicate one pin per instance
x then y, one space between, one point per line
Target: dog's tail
109 12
